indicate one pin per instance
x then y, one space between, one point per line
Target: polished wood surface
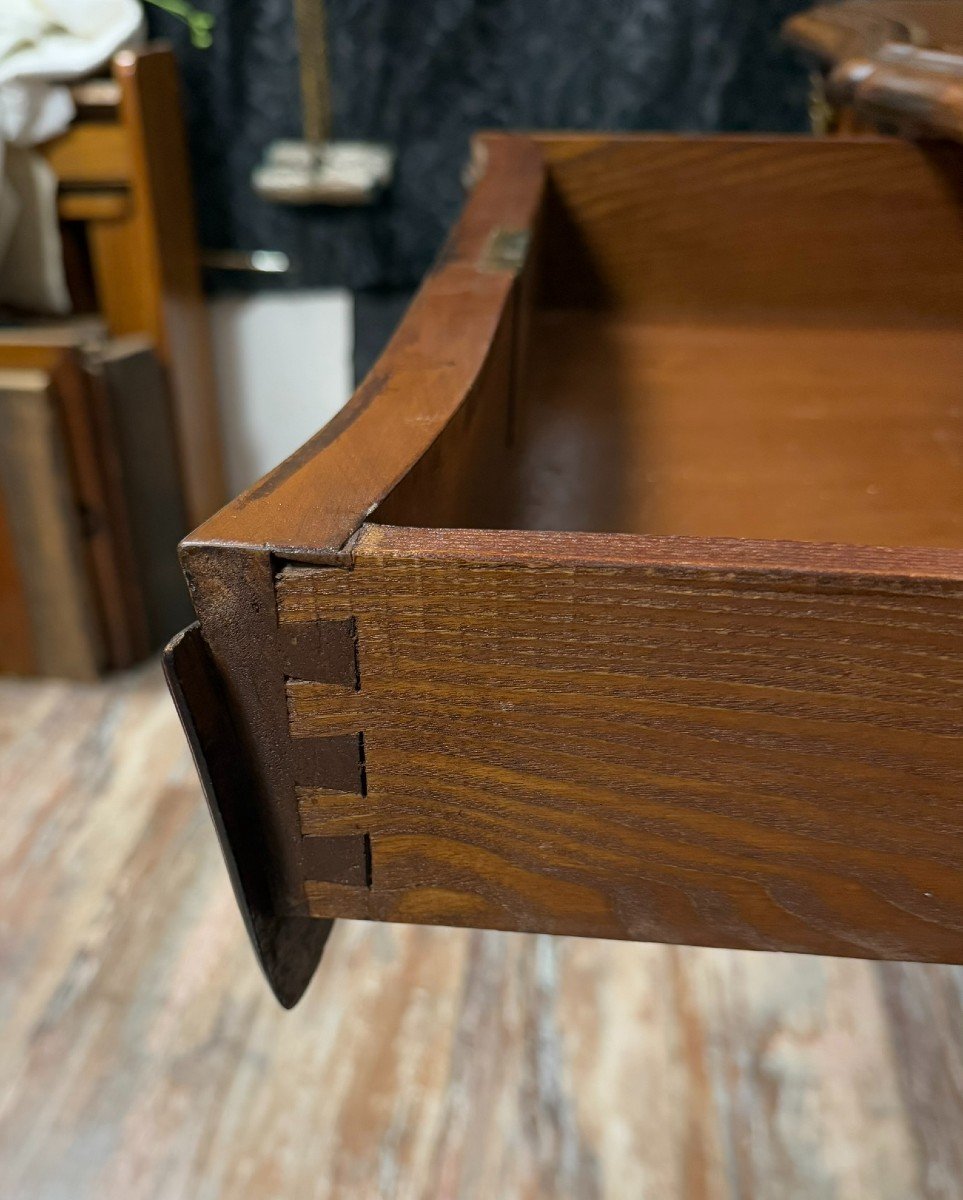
738 739
895 64
766 234
312 502
143 1058
624 737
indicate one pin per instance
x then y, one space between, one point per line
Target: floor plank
141 1055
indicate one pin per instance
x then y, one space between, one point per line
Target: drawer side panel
747 756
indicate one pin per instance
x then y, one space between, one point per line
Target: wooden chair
125 183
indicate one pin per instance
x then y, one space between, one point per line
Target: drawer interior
800 432
734 337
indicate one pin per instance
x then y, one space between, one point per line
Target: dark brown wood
131 386
46 539
742 731
287 947
737 744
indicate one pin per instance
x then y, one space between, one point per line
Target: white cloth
42 44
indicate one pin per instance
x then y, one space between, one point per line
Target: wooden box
625 598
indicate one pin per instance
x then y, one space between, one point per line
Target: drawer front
735 745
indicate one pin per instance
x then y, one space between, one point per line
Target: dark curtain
424 74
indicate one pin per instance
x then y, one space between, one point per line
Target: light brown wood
774 234
760 229
124 172
92 154
143 1056
163 298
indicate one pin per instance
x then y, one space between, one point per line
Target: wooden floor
141 1055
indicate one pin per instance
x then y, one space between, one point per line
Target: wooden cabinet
625 598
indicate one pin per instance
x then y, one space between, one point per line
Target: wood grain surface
142 1057
711 337
47 537
890 63
721 429
759 228
310 504
658 739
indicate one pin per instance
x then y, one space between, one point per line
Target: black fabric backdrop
423 74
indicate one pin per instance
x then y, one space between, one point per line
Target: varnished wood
889 63
117 603
427 374
143 1055
757 230
89 205
124 172
741 731
288 948
65 636
653 739
163 298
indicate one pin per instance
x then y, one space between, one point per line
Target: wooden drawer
624 598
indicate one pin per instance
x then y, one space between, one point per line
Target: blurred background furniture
111 441
891 66
126 194
142 1055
